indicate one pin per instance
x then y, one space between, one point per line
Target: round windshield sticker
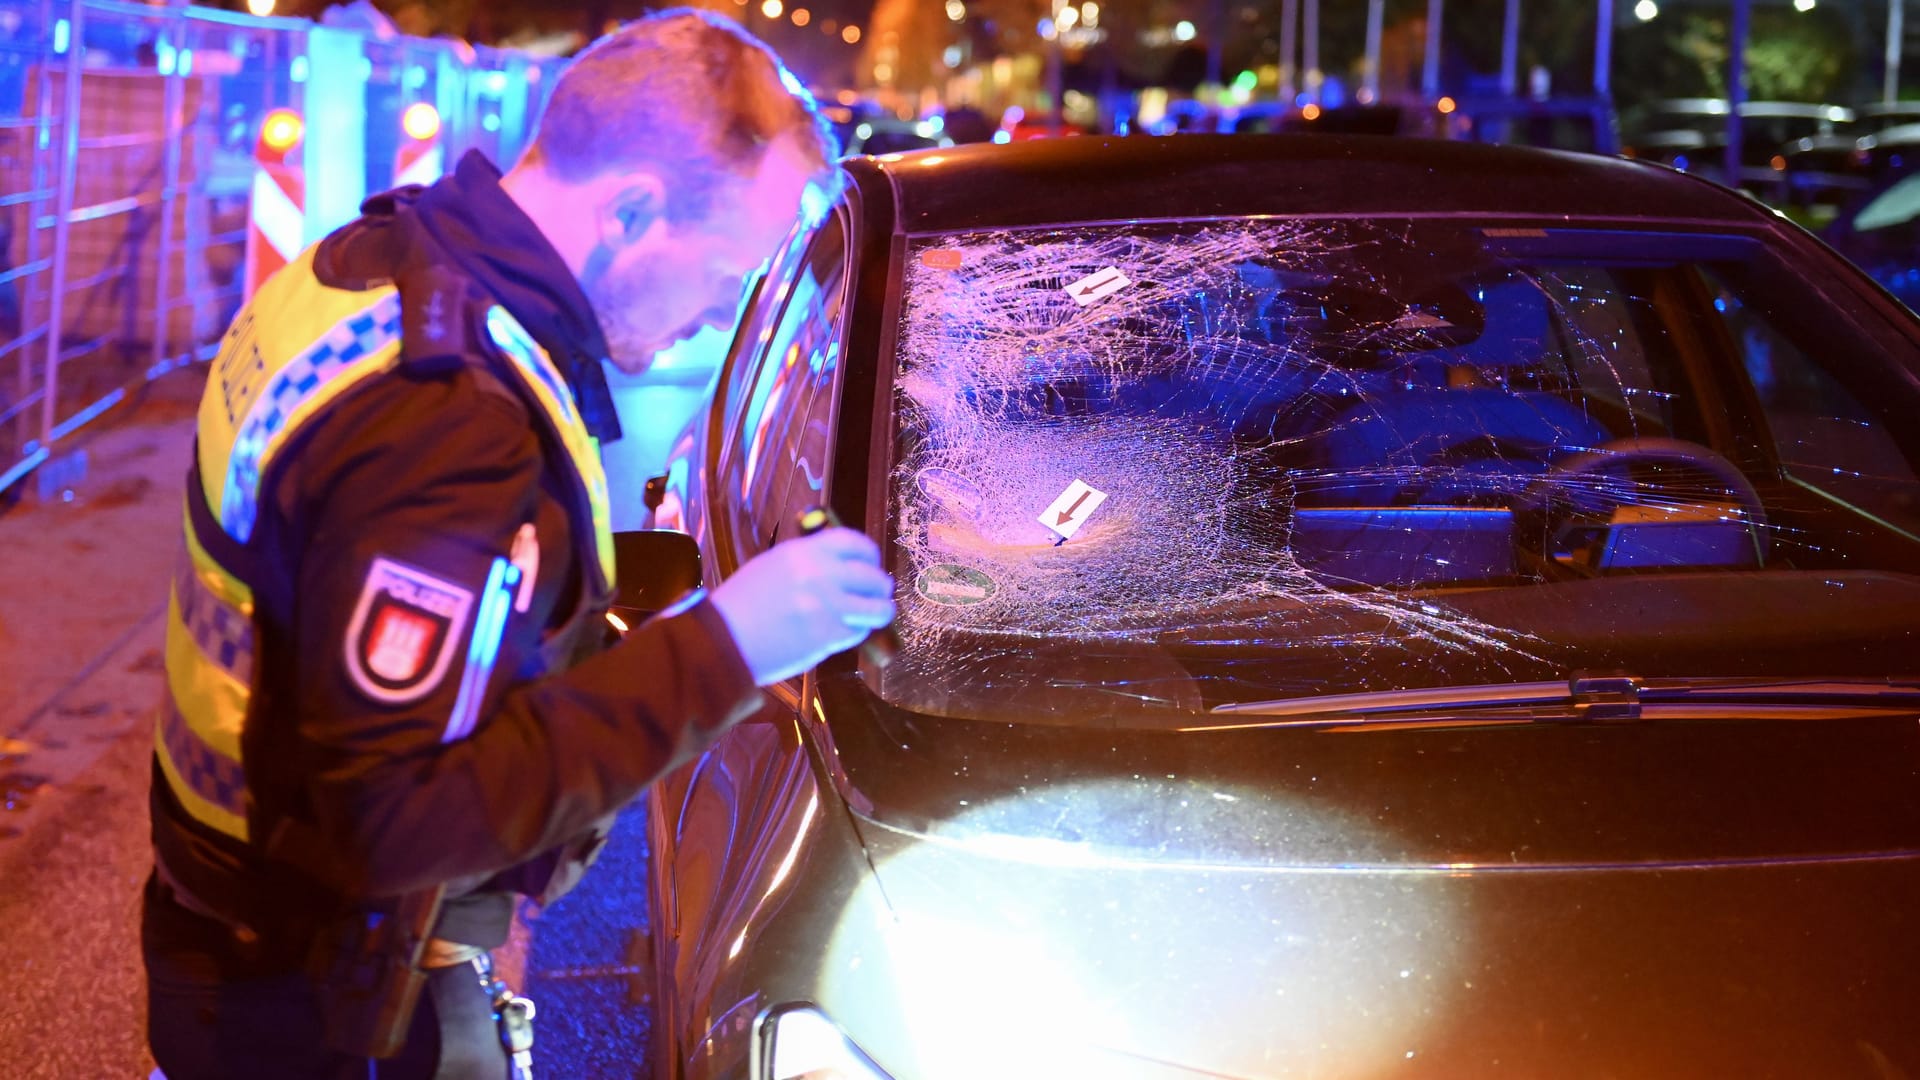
953 586
949 489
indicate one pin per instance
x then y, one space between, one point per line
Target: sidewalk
81 621
81 632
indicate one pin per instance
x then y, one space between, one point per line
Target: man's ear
632 208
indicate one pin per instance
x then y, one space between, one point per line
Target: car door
766 457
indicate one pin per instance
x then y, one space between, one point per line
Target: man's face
686 275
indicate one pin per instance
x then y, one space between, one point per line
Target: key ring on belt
512 1017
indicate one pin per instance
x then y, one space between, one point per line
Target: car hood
1727 897
1022 958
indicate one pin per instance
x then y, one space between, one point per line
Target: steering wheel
1563 489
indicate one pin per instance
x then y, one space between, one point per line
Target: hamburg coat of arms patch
404 632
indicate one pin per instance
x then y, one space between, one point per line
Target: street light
1183 31
772 9
1645 10
261 8
956 10
1803 5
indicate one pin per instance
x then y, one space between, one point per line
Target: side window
772 461
1825 436
763 306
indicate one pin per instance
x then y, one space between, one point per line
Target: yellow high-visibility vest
296 347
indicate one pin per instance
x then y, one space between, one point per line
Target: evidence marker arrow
1101 283
1088 289
1067 514
1072 509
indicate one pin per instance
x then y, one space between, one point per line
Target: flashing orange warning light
281 130
1446 105
1311 112
421 121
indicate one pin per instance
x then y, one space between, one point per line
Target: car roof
1796 110
1703 106
1898 135
1108 178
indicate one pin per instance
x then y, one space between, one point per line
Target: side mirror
652 569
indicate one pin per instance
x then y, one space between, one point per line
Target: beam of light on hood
1148 929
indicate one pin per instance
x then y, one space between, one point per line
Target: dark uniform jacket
437 466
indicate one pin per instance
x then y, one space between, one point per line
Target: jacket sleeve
408 496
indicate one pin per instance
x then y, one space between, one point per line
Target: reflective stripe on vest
209 654
296 347
547 385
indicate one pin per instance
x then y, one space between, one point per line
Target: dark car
1405 118
891 135
1880 233
1881 115
1367 607
1894 150
1691 134
1586 124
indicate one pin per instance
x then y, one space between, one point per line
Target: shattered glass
1158 468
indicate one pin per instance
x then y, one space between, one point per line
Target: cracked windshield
1145 470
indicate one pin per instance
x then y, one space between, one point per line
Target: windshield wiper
1583 697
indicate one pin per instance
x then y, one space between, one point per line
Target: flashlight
880 645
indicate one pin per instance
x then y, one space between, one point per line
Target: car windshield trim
1727 227
1581 696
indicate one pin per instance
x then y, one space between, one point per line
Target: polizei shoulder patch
404 631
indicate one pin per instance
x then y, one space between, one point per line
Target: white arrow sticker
1072 509
1096 285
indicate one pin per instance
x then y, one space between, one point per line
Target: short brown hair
688 92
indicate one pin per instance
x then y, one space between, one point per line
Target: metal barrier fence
127 135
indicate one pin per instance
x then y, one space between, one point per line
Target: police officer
391 704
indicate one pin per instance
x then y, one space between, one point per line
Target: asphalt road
81 620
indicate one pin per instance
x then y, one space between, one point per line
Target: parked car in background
1367 607
1880 233
1404 118
867 127
1766 125
1822 170
1878 116
1584 124
890 135
1889 150
1653 127
1691 134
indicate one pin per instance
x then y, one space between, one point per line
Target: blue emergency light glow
62 35
164 57
483 650
186 61
792 82
298 70
815 201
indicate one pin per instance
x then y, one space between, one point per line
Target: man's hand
804 600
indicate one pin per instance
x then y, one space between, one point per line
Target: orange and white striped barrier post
421 159
276 215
